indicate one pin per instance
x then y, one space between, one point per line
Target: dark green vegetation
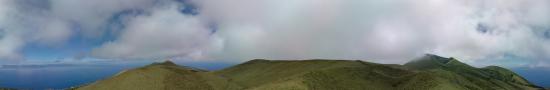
428 72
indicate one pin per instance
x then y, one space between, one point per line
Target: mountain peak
166 62
431 61
437 58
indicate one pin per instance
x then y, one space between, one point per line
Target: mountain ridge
428 72
500 77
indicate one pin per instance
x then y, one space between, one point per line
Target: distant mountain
428 72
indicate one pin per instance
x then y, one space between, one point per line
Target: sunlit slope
161 76
467 77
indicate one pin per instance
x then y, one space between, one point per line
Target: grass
258 72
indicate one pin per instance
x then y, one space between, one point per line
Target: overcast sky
514 33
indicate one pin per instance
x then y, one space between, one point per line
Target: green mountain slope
430 72
469 77
314 74
163 76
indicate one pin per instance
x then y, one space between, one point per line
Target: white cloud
53 22
163 33
10 45
93 15
8 42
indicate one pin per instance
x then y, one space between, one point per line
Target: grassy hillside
430 72
164 76
314 74
469 77
259 72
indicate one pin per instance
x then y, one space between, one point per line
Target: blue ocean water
537 76
54 77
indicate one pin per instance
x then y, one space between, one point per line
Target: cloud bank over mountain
513 32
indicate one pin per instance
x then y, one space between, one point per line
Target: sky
510 33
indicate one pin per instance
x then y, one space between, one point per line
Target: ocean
54 77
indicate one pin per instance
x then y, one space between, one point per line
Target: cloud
54 22
391 31
138 29
8 41
93 15
163 33
304 29
9 47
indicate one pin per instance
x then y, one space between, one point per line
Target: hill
428 72
163 76
468 77
313 74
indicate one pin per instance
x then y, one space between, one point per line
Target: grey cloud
378 31
385 31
